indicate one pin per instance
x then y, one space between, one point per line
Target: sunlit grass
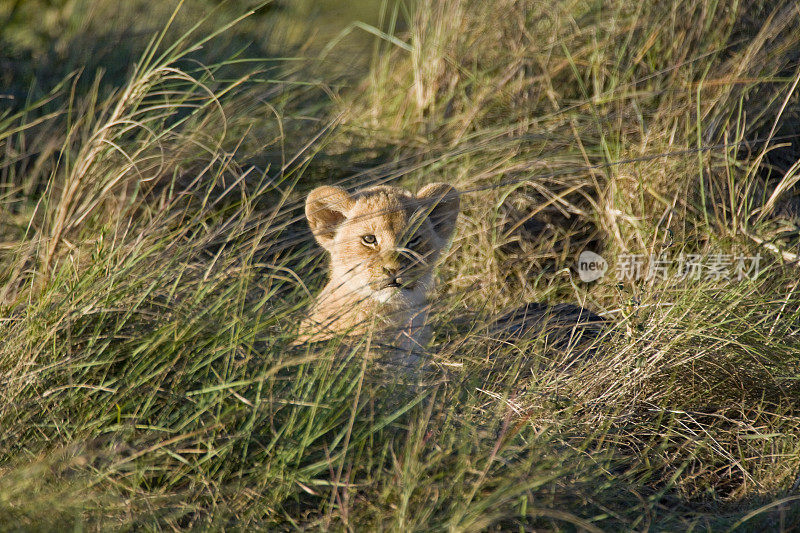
155 265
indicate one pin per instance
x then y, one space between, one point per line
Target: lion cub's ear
444 203
326 208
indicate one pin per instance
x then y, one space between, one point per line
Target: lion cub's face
383 241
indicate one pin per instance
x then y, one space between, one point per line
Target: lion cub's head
383 241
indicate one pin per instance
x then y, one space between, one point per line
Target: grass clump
155 264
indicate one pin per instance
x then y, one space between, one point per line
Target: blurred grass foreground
155 263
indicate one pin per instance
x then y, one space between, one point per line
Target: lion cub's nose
391 273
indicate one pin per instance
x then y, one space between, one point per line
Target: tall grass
155 265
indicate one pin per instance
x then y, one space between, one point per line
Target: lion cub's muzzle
401 279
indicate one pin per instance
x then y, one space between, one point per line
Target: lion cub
383 243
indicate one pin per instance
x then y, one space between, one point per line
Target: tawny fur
382 284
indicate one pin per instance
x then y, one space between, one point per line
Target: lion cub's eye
369 240
414 242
